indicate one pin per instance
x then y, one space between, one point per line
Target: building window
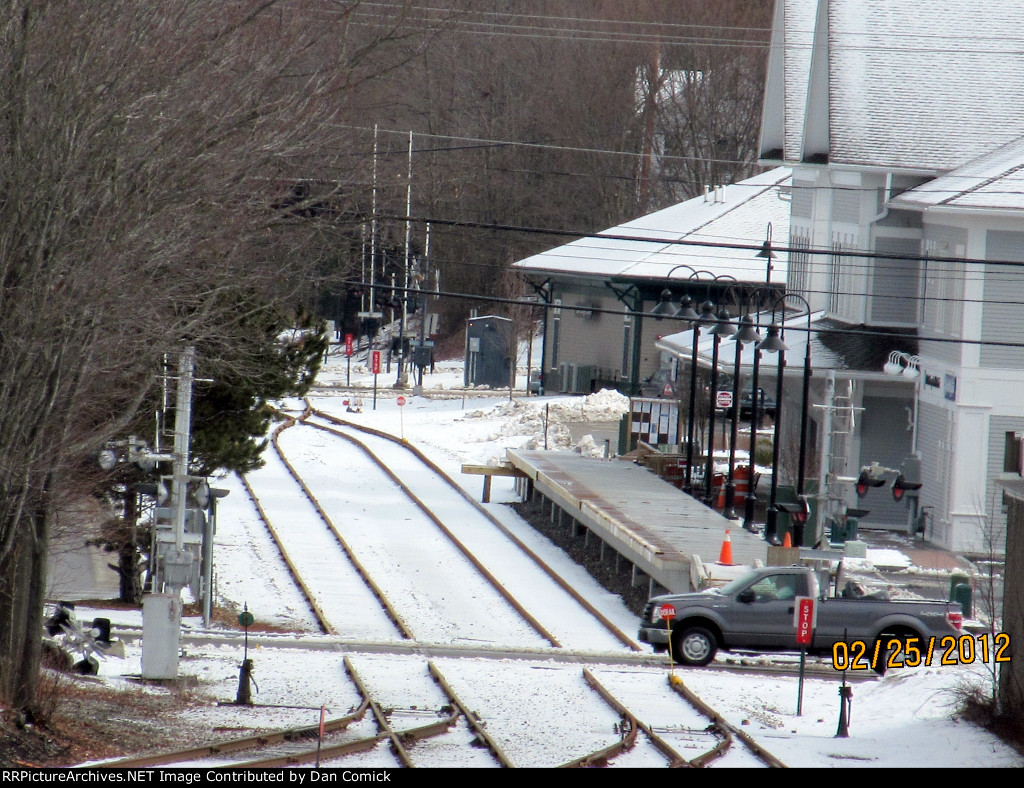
799 264
943 290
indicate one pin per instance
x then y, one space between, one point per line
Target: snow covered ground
906 719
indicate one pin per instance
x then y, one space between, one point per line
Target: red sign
724 399
667 612
375 362
400 400
805 618
348 344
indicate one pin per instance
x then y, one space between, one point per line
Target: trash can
962 594
844 529
960 591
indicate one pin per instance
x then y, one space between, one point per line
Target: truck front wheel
694 646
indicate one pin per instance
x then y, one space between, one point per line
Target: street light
773 344
664 308
904 364
706 317
755 420
767 253
723 328
908 367
746 334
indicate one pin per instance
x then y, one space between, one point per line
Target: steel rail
627 733
478 728
514 603
393 614
555 576
237 745
760 752
318 613
675 759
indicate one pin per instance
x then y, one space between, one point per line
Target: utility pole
174 564
402 379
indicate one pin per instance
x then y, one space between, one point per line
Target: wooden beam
493 470
489 471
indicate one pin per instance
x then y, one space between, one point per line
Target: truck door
763 612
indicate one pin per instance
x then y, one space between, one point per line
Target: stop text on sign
667 612
804 618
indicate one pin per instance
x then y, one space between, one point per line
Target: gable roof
915 85
994 181
834 345
716 237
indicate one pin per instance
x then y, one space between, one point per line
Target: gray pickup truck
756 611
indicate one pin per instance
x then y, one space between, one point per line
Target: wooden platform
661 530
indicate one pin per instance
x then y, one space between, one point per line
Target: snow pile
531 419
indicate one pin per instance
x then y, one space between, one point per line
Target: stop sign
375 362
348 344
804 619
400 400
724 399
667 612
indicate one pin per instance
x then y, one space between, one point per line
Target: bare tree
147 152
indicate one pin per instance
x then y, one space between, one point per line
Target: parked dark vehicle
755 611
766 406
661 385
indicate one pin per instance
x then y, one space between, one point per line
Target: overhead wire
791 325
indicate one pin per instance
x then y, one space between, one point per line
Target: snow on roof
917 84
994 181
739 216
834 345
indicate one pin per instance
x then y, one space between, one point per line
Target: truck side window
773 587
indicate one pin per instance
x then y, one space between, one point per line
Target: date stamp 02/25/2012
912 652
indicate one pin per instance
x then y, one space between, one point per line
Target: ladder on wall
838 424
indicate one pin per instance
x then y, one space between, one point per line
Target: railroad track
430 515
478 689
427 723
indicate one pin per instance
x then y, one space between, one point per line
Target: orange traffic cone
786 541
725 557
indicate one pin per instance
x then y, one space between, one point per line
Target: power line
791 321
748 247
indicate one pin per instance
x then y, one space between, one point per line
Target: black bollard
244 696
845 700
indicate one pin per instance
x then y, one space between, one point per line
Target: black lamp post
755 419
723 328
800 510
746 334
773 344
798 522
688 313
706 317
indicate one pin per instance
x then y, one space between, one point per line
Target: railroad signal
798 511
900 486
866 481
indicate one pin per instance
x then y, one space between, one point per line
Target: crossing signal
866 481
900 486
